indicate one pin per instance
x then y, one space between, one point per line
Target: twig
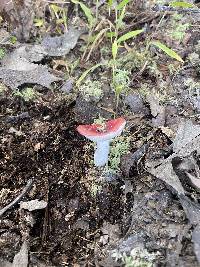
17 199
141 71
56 2
142 21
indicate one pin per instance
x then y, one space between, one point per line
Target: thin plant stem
18 198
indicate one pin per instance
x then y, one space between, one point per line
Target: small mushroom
102 135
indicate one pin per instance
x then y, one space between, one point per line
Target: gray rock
136 103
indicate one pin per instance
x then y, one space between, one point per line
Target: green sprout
2 53
13 39
59 13
95 188
119 147
27 94
91 90
178 28
139 257
121 81
38 22
100 121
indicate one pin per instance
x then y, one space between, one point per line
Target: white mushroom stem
101 153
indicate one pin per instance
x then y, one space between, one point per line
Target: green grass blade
119 22
122 4
114 49
87 12
167 50
55 8
110 3
182 4
98 36
38 22
128 36
82 77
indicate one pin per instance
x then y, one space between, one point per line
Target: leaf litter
20 66
186 142
33 204
61 45
20 259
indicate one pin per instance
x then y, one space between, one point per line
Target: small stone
136 104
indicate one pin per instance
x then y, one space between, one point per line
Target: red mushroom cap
95 132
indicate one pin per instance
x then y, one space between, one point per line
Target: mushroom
102 135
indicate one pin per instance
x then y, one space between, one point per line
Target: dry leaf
67 86
38 146
4 263
196 241
187 139
166 173
17 68
19 15
21 258
192 211
61 45
40 75
33 205
157 111
194 181
168 132
6 5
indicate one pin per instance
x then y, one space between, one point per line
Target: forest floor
57 60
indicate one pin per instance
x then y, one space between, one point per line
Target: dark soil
48 150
